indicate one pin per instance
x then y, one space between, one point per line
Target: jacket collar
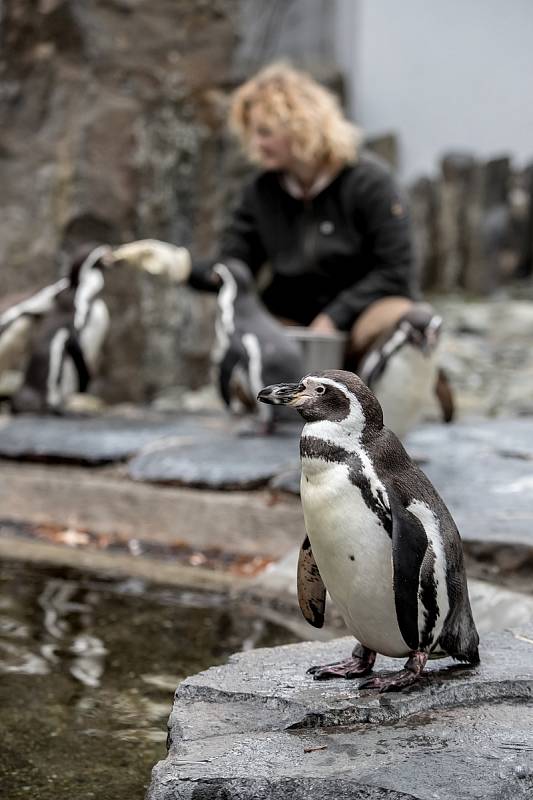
322 180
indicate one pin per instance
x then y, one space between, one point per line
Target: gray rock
259 727
95 440
220 460
484 471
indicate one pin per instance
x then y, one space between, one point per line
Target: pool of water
88 667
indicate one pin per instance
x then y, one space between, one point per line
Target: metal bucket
319 351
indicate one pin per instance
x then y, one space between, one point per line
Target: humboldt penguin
402 369
251 347
379 537
17 320
67 337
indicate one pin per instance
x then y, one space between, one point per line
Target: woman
329 223
328 219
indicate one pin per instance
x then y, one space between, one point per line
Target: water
88 667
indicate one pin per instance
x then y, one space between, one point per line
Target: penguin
402 369
379 537
251 346
17 319
67 337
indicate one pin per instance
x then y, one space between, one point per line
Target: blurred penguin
252 348
401 367
68 337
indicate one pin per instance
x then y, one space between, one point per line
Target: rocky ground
261 727
487 353
174 496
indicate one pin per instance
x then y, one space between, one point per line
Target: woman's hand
158 258
323 324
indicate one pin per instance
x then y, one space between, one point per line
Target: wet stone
223 460
92 441
261 727
484 471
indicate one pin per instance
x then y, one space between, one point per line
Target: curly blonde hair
308 112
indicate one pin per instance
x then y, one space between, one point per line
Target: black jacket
337 252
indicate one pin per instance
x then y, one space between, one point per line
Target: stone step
259 727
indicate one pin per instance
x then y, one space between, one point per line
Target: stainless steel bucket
319 351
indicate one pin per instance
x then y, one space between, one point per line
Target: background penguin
17 319
67 340
380 538
251 347
401 368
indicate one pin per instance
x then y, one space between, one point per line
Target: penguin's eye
320 389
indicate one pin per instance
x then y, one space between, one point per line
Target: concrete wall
443 75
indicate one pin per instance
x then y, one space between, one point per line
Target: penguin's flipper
311 589
444 394
409 545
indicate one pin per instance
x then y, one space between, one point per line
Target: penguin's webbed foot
360 664
399 680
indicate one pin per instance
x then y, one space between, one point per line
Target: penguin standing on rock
379 537
251 347
68 338
401 368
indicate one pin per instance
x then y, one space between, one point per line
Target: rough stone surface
105 503
487 354
484 471
261 727
222 460
471 223
96 440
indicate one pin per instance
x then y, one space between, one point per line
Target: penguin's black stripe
311 447
73 348
231 358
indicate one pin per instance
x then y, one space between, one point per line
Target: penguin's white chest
353 553
405 388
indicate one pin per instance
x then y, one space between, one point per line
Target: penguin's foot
360 664
399 680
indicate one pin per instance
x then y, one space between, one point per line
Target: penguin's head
421 327
334 395
234 273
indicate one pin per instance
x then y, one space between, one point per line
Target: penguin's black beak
280 394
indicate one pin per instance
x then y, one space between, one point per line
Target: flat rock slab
90 440
223 460
484 471
259 727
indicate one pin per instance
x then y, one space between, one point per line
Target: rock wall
112 128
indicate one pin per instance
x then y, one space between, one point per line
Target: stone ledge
259 726
109 503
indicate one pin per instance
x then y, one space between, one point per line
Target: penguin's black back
459 637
